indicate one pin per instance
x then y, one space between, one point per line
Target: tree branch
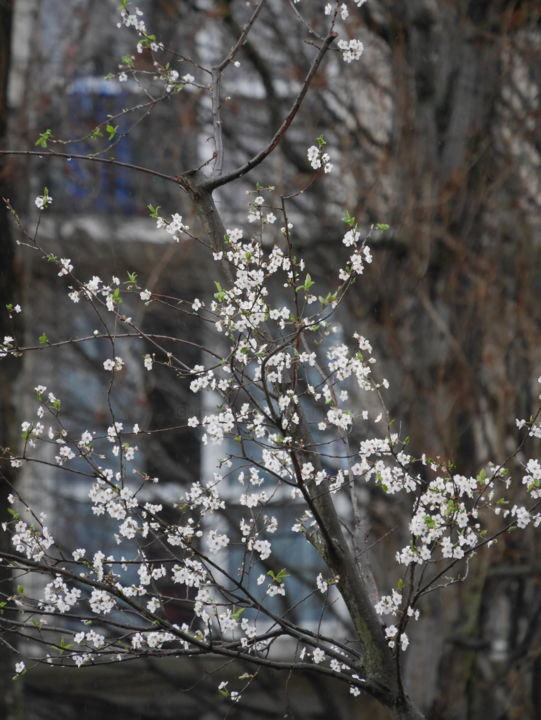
178 180
216 82
213 183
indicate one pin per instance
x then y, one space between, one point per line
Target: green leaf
43 138
278 577
221 294
331 297
65 645
308 282
127 60
153 211
481 475
348 219
111 131
382 226
43 339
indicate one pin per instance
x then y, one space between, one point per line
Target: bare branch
216 85
214 183
106 161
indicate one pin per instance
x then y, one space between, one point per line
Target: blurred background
436 132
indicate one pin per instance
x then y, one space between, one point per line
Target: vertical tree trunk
10 692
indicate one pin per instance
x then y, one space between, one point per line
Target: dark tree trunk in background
459 299
9 690
459 218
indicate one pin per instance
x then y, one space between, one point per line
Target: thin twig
107 161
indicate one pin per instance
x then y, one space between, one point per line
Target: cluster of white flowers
58 597
321 583
170 78
132 19
43 201
95 288
31 541
101 602
344 12
351 49
65 453
274 589
65 267
262 547
391 633
319 159
389 604
534 428
205 498
108 497
7 346
174 227
92 638
341 418
114 364
360 256
192 573
148 362
532 479
216 541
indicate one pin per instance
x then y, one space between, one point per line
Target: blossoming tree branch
298 419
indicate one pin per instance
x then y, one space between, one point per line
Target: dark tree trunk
9 691
461 304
